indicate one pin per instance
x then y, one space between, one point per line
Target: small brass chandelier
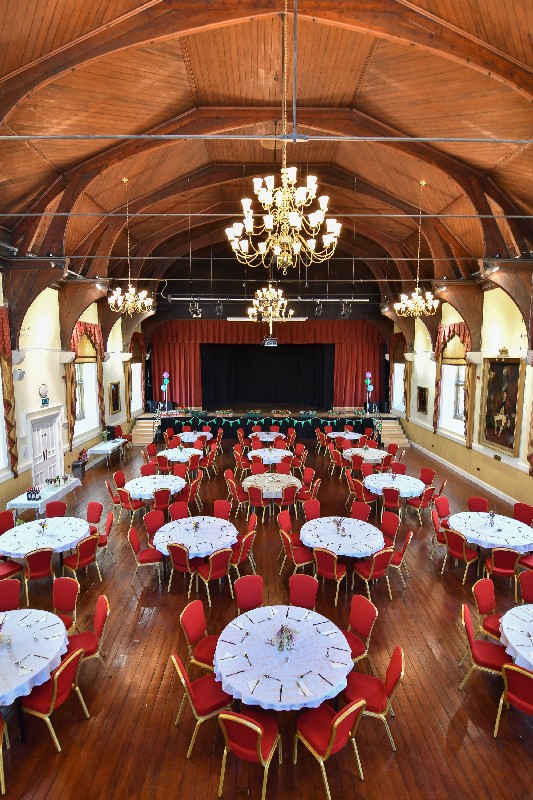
270 306
287 234
130 302
416 304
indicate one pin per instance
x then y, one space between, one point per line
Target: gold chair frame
265 764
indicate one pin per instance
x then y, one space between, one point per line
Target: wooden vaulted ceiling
429 68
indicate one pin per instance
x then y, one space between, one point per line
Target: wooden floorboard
130 747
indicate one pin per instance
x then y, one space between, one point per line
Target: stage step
143 432
392 433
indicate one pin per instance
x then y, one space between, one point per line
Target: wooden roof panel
32 28
241 64
507 26
514 175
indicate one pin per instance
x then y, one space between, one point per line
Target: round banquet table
253 670
409 487
370 456
268 436
59 533
506 531
144 488
180 456
271 455
271 483
200 535
343 536
192 436
516 628
30 660
345 435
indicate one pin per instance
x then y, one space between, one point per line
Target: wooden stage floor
131 749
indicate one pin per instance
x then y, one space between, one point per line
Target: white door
47 450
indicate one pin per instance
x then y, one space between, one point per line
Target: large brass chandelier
417 304
286 232
270 306
131 302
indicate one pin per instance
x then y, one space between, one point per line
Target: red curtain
176 350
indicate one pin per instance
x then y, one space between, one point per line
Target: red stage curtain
176 349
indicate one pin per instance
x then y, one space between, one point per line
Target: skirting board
486 486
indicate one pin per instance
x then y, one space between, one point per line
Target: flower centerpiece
491 518
104 434
339 525
284 638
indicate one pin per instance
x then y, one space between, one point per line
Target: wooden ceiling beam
390 19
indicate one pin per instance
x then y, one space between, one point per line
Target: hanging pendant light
131 302
417 304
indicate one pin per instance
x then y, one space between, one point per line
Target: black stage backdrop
287 375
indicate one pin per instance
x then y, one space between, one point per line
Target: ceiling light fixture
194 309
285 236
416 304
131 302
318 308
270 306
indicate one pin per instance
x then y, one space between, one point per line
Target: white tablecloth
371 455
256 672
200 535
409 487
180 456
48 493
144 488
345 435
17 680
106 448
343 535
59 533
271 455
268 436
271 483
192 436
516 628
506 532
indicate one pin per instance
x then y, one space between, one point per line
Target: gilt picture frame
501 404
114 397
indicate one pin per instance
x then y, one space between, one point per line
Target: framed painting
422 399
501 405
114 397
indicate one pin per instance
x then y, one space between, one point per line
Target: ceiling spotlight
346 309
194 309
318 308
219 308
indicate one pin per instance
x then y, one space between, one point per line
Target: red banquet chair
325 732
378 694
115 499
311 509
438 536
120 478
252 736
297 555
242 552
427 475
249 592
442 507
205 695
485 656
144 558
390 525
360 510
44 699
10 569
7 521
328 566
478 504
398 559
129 504
217 566
397 468
523 512
9 595
91 641
457 547
485 600
65 593
103 541
180 562
94 515
366 470
201 646
180 471
517 691
119 434
38 565
258 468
422 502
162 499
303 591
370 569
363 616
525 579
177 510
148 469
55 508
392 500
503 561
392 449
153 520
257 501
222 509
84 556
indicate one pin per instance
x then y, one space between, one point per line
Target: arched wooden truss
46 85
